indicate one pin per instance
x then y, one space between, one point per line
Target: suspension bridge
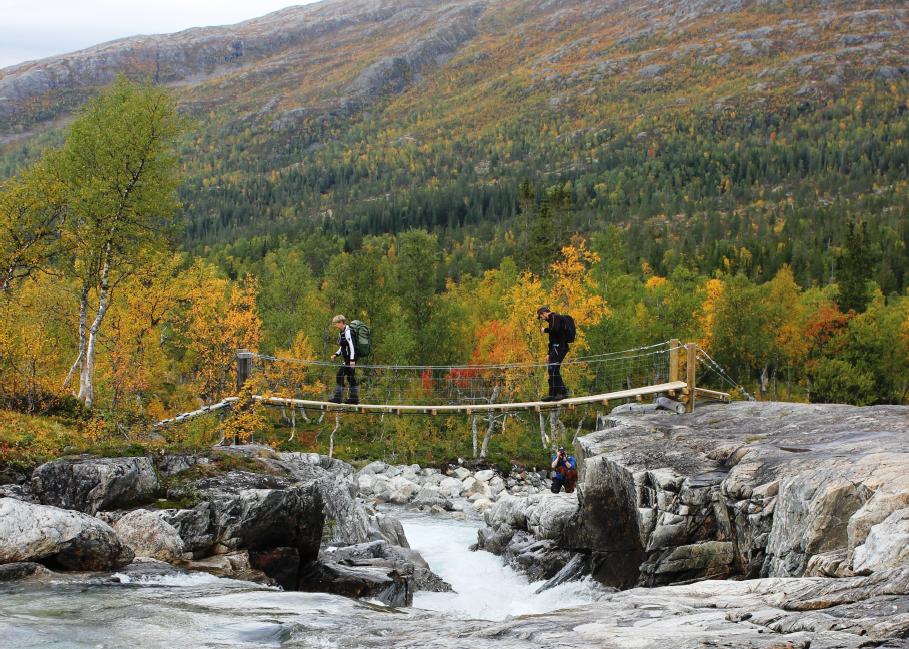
670 369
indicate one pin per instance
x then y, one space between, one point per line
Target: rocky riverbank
743 491
285 519
741 525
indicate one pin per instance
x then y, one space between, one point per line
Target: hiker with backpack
347 350
561 330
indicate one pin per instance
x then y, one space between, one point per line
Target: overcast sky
34 29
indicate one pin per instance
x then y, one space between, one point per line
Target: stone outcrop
58 538
769 613
744 489
94 484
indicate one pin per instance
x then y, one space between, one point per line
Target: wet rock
777 483
280 564
235 565
548 514
539 560
22 570
58 538
405 561
744 489
371 582
92 484
194 526
383 527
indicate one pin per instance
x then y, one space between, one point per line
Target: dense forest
750 193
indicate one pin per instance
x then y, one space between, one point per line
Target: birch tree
32 211
119 170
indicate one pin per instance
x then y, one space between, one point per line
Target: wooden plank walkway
674 386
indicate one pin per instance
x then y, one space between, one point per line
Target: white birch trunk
87 373
83 320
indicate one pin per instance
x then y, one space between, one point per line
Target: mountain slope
702 127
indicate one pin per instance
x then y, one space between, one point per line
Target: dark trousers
554 368
348 372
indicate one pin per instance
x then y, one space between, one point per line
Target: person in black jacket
347 350
558 347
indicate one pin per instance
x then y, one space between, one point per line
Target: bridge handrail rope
717 368
647 370
578 360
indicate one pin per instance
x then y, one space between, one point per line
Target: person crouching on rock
348 352
566 472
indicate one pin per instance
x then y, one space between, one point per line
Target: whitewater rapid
485 587
199 611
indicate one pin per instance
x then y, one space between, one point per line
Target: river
202 611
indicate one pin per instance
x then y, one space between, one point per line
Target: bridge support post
691 366
674 345
244 367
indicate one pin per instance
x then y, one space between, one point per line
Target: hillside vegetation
727 172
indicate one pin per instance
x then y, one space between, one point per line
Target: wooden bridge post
674 346
691 365
244 367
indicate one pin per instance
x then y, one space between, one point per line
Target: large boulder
257 512
58 538
94 484
148 534
429 496
549 514
194 526
383 527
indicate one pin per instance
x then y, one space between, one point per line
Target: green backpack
361 338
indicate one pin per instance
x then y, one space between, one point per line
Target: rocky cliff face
407 36
745 489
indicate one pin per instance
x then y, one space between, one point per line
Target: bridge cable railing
465 384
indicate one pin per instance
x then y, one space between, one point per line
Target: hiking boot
335 399
559 397
548 397
353 401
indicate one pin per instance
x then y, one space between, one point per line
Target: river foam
485 588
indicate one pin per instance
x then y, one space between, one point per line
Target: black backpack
571 331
